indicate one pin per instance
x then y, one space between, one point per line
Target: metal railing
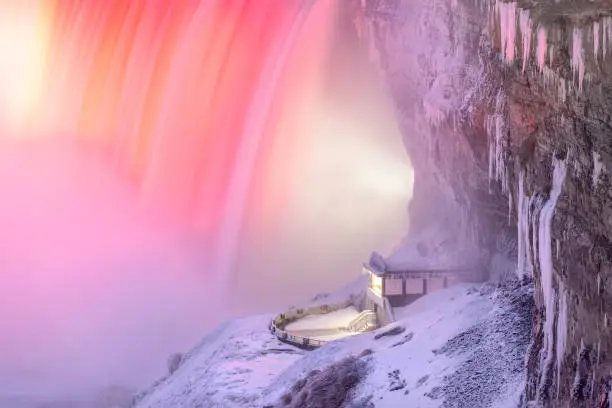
298 341
278 324
364 321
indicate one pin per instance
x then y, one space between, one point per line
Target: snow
336 319
230 368
546 263
461 346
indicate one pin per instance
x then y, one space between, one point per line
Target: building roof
456 262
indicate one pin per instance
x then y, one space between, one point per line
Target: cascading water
253 125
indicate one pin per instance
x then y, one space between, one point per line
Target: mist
344 172
96 289
99 285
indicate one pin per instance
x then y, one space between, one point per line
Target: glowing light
218 112
376 284
23 43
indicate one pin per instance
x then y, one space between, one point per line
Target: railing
299 341
364 321
278 324
317 332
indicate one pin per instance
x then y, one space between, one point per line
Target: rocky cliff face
506 109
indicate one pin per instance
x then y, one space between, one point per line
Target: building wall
394 286
434 284
414 286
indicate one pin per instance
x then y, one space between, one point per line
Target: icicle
606 34
507 28
524 257
541 50
578 56
597 168
546 262
596 39
495 133
534 215
562 90
596 366
525 27
604 37
499 139
551 52
491 149
546 215
561 331
577 375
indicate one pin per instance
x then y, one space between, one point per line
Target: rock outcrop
506 111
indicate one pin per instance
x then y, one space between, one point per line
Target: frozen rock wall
506 111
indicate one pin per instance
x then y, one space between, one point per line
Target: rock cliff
506 111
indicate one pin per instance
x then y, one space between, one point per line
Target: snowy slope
230 368
460 347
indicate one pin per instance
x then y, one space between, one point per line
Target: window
376 284
394 285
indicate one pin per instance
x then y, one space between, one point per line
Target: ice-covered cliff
506 113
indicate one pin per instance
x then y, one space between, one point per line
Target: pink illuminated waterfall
218 112
181 94
168 164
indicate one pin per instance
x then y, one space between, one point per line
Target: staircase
364 322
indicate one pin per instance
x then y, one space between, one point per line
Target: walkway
316 326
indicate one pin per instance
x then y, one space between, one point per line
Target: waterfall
180 93
175 149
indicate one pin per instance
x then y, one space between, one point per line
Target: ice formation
541 50
535 206
524 254
597 168
507 28
525 27
596 39
577 56
546 264
577 378
606 34
514 22
495 130
561 331
551 53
